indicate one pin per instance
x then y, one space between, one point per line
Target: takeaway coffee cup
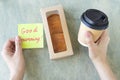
94 21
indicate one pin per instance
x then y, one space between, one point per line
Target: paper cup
93 21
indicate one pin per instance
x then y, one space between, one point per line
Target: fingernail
88 36
17 38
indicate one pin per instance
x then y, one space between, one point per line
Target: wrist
17 75
99 60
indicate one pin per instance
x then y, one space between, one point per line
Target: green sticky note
31 35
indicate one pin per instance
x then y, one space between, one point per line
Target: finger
7 45
18 44
104 34
104 38
89 39
106 41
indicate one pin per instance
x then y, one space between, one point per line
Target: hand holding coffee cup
93 21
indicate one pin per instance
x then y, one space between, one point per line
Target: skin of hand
97 53
13 56
98 49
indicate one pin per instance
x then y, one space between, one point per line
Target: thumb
89 39
18 44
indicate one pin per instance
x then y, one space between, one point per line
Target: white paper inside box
56 32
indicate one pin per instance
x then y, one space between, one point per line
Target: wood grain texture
77 67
